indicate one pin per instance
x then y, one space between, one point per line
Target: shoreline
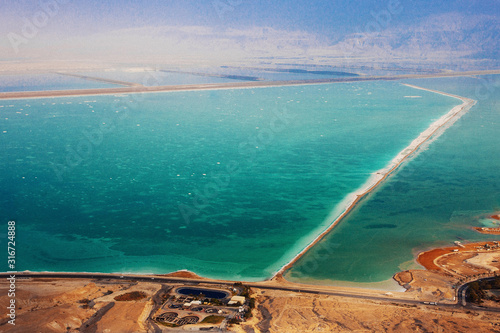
428 259
389 285
378 177
184 276
137 88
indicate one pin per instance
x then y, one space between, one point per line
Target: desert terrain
106 305
280 311
66 305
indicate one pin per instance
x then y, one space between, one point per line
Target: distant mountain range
447 41
453 39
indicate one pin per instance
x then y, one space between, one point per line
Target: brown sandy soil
48 306
123 318
488 231
250 326
404 277
447 267
488 262
127 316
184 274
287 312
427 285
54 305
426 259
366 292
466 263
439 259
51 319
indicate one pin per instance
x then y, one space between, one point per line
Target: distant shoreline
372 183
217 86
380 176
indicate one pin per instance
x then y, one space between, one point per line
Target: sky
330 18
321 21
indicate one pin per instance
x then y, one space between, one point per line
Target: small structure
167 317
237 300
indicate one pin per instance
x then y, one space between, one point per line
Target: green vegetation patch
131 296
213 320
478 290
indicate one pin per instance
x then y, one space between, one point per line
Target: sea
47 81
433 200
232 184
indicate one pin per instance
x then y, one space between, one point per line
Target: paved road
460 304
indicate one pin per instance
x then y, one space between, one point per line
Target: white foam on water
420 143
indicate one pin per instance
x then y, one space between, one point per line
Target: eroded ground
449 267
66 305
84 305
288 312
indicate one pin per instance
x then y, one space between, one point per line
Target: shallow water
229 184
433 200
157 78
37 82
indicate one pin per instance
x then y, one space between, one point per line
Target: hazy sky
324 21
324 17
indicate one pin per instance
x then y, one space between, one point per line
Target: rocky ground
84 305
66 305
286 312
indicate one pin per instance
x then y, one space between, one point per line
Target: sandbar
136 88
377 178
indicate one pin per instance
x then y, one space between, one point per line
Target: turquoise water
154 78
36 82
276 73
279 74
434 200
361 70
228 183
